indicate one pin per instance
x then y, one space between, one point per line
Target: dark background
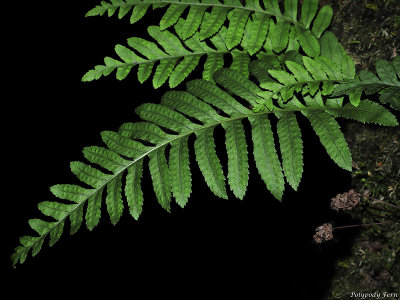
257 245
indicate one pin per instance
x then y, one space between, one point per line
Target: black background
210 247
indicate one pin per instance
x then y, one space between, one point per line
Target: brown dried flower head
323 233
345 200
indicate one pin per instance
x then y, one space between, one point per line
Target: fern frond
173 63
386 83
257 16
197 111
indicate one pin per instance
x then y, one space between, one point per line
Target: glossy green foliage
300 72
161 140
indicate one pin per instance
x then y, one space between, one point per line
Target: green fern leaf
347 67
180 171
161 177
189 27
265 155
189 105
138 12
56 210
163 71
307 41
322 21
143 131
272 6
209 163
237 84
236 27
331 49
89 175
172 15
123 145
165 117
328 131
257 32
105 158
99 10
114 199
211 94
213 63
280 36
386 71
302 75
291 146
367 112
198 111
291 9
214 22
308 11
93 211
238 167
240 63
168 41
54 229
133 191
184 68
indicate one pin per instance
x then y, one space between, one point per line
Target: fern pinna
256 27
